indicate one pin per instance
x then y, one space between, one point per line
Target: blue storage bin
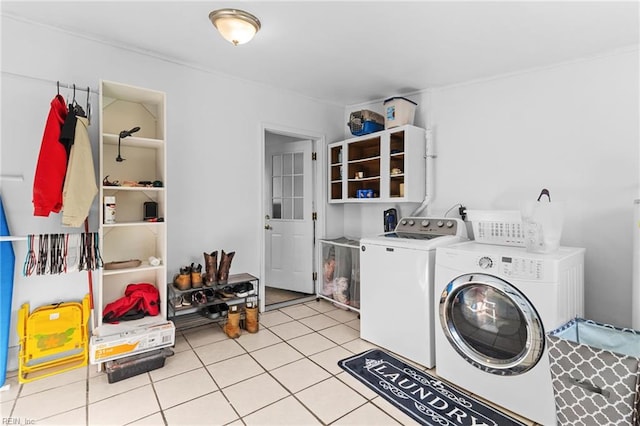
366 128
364 122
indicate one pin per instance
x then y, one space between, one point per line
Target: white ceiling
354 52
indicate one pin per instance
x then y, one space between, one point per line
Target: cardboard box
144 339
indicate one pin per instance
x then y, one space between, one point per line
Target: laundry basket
340 280
594 372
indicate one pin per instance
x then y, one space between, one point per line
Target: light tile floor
287 373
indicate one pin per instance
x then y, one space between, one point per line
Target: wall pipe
429 173
635 262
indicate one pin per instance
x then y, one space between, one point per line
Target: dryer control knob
485 262
449 224
440 224
411 223
425 223
404 222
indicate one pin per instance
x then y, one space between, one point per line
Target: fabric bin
594 372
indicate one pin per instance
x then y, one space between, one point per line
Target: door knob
268 227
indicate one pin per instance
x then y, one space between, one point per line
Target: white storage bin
398 111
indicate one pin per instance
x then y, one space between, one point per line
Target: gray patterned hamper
594 372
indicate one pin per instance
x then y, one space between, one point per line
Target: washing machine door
491 324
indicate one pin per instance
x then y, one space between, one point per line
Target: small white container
398 111
501 227
109 209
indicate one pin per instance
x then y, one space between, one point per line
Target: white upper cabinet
385 166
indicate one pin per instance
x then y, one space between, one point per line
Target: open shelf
385 166
123 107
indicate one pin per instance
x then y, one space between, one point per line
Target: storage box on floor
340 280
594 371
137 340
129 366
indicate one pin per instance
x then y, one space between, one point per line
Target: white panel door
288 223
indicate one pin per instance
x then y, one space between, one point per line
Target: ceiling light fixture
236 26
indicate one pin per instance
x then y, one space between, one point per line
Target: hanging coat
80 184
52 163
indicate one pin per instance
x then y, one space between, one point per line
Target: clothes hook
88 106
544 191
74 93
58 87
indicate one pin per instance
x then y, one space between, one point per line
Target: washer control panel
429 225
514 267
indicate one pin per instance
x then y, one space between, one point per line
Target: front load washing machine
494 305
396 285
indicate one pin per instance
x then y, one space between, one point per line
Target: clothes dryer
396 285
494 305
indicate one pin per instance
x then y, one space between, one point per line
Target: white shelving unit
123 107
390 164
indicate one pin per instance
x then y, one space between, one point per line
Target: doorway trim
318 141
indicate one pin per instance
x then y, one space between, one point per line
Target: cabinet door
407 166
336 181
396 164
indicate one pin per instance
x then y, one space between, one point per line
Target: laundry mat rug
421 395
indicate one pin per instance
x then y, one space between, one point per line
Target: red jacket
52 163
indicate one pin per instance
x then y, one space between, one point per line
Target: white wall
213 137
572 128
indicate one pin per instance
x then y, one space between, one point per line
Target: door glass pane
276 189
298 188
287 164
298 165
276 164
287 186
276 209
489 322
287 208
298 208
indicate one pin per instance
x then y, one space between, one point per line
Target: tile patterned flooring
287 373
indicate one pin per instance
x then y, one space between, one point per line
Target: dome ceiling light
236 26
